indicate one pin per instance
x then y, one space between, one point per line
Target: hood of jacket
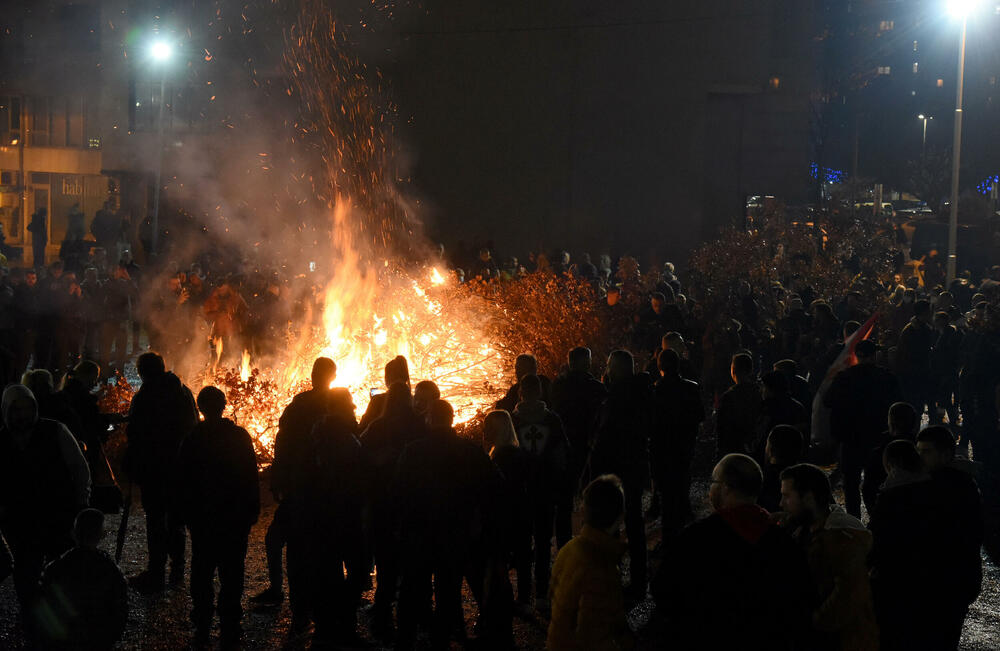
13 394
532 412
841 519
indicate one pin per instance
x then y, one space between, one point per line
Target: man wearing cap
44 483
859 400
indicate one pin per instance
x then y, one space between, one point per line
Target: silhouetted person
739 409
524 364
913 357
946 359
622 449
733 580
445 487
778 408
326 533
424 394
798 385
906 564
39 229
836 545
540 434
784 448
52 404
903 425
588 604
678 415
219 500
396 370
961 538
44 483
107 228
859 399
383 442
514 511
83 602
161 416
292 445
577 397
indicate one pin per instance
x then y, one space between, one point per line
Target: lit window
993 81
886 25
940 83
914 46
916 66
884 70
913 93
774 82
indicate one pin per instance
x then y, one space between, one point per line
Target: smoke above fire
360 287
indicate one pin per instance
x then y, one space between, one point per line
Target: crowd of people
783 377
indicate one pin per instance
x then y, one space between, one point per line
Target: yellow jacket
588 607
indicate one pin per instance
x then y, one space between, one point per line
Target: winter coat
540 433
588 606
218 488
739 412
734 580
962 543
293 440
678 413
83 601
160 417
837 555
577 398
859 399
624 429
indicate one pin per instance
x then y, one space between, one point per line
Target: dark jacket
859 399
734 580
218 488
445 483
83 601
292 442
160 417
678 412
577 398
913 353
738 415
624 429
513 396
540 434
963 520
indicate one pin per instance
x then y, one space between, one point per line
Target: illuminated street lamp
960 9
160 51
925 118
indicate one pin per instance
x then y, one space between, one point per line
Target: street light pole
956 154
154 221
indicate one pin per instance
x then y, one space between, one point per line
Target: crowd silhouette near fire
848 434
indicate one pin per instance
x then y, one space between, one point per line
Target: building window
774 83
884 70
914 46
886 25
916 66
940 83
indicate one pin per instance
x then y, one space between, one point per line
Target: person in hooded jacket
588 607
292 446
540 434
44 483
837 546
219 500
733 580
383 442
622 449
160 417
577 397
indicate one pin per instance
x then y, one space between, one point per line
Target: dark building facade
621 127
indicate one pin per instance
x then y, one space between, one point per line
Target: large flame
371 312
